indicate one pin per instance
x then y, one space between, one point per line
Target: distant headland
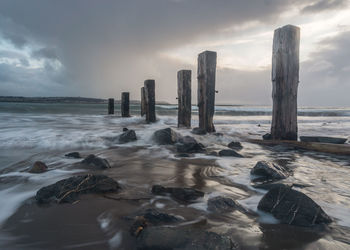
83 100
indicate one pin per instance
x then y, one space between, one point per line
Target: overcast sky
100 48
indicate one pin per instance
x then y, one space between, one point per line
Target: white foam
159 205
12 198
116 240
104 220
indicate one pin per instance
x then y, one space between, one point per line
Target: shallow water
30 132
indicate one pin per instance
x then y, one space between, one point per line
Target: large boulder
229 153
94 162
235 145
127 136
69 190
293 207
38 167
269 171
188 144
165 136
180 194
75 155
183 238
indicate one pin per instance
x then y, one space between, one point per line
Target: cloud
46 53
324 5
325 78
106 46
101 48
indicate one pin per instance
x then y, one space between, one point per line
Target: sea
31 132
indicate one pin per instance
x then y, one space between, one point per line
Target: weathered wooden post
285 80
111 106
143 102
184 98
125 103
150 101
206 90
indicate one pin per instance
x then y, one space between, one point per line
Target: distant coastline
82 100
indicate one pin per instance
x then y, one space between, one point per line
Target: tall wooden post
110 106
150 100
206 90
285 80
184 98
125 103
143 102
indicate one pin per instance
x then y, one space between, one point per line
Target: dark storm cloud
12 32
324 5
105 47
46 53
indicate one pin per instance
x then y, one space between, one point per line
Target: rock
183 238
323 139
218 134
75 155
180 194
229 152
235 145
151 217
155 217
269 185
181 155
221 204
125 129
213 153
267 136
127 136
188 144
95 162
293 207
165 136
198 131
38 167
68 190
269 171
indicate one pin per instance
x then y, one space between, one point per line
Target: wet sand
103 222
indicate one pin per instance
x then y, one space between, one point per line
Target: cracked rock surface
293 207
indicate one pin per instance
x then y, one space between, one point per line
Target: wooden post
206 90
110 106
184 98
143 102
125 104
285 80
150 101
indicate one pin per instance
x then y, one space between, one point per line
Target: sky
101 48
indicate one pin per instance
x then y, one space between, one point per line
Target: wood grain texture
125 104
339 149
110 106
150 101
143 102
285 80
206 89
184 98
